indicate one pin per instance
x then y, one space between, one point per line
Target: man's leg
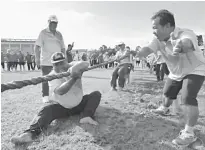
113 81
89 105
191 86
41 122
158 72
122 72
170 92
162 71
45 88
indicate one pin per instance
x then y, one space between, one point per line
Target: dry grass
125 121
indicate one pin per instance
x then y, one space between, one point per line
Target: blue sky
91 24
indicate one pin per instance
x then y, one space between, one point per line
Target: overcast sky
91 24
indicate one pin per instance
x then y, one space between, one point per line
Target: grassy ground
125 120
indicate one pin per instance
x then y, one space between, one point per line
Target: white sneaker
161 110
185 138
88 120
45 99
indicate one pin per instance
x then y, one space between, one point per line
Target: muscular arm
65 87
144 52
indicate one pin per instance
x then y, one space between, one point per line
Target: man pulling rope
66 99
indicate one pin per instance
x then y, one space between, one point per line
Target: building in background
24 45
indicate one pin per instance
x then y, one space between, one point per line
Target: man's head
121 46
163 24
59 62
69 47
127 48
53 22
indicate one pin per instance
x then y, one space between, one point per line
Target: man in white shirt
49 41
179 48
66 99
122 69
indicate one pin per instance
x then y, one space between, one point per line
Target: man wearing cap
66 99
49 41
186 64
121 70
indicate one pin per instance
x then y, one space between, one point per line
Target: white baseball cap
121 43
53 18
57 57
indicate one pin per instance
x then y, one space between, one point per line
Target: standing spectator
100 59
2 60
21 59
49 41
106 58
84 57
9 60
15 58
77 56
29 61
69 55
33 62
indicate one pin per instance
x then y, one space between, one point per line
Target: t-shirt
21 57
28 58
120 54
74 96
49 44
183 63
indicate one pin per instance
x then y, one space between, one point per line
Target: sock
189 129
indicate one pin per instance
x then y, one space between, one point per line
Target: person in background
69 54
29 61
48 42
2 60
9 60
15 59
21 59
33 62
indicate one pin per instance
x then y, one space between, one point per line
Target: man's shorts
190 86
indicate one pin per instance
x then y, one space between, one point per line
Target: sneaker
45 99
161 110
185 138
113 89
23 138
88 120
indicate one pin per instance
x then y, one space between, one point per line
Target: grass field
125 121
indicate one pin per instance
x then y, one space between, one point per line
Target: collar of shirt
49 31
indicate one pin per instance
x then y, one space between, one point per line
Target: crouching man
66 99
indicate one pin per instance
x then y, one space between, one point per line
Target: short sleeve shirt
49 43
187 63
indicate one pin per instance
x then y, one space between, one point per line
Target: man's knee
189 100
96 94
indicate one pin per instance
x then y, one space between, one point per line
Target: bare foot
88 120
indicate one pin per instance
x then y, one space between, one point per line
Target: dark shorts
190 86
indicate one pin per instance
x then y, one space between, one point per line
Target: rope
37 80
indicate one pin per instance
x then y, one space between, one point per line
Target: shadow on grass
116 130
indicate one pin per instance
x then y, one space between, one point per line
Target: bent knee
189 100
97 94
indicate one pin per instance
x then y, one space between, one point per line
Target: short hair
69 45
165 17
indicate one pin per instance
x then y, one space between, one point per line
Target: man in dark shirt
68 53
29 61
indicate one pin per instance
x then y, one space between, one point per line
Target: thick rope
35 81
